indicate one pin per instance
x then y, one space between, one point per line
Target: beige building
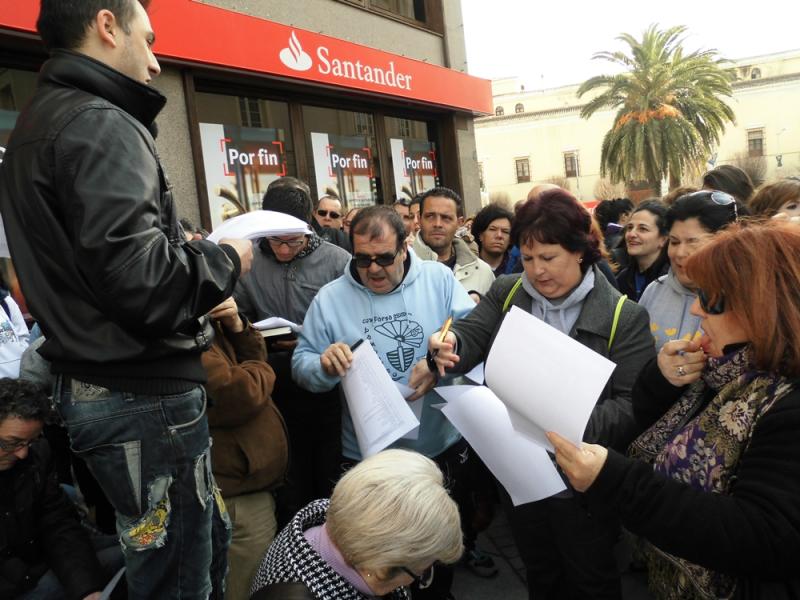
539 136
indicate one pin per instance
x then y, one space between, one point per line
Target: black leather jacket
94 237
39 530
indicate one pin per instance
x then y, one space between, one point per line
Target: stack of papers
538 380
258 224
379 411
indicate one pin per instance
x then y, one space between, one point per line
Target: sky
551 43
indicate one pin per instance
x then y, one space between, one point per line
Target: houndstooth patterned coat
290 558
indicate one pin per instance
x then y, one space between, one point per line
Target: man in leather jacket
121 297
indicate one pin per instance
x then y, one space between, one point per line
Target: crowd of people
154 444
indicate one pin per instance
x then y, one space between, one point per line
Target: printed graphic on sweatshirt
408 335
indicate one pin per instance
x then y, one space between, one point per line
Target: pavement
509 584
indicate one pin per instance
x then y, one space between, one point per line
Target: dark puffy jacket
39 530
94 237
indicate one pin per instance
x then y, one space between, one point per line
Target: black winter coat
93 233
39 530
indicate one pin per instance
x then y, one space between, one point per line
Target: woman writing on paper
567 552
715 483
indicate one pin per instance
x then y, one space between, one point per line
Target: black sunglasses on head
712 309
382 260
325 213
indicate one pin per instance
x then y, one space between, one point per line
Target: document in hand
380 414
274 322
257 224
545 381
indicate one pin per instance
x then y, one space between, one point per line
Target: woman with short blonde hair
389 521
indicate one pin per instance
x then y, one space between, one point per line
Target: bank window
499 112
570 164
519 108
16 89
415 161
410 9
755 142
342 155
250 112
523 167
481 179
246 144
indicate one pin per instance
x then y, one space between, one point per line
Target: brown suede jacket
250 451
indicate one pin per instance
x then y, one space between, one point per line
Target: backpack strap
511 293
617 313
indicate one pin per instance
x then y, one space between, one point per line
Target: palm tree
669 105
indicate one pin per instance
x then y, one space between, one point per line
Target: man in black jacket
119 294
44 551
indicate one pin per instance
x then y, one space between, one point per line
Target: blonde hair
392 510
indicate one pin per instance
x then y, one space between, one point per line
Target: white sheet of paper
522 466
546 376
273 322
416 407
258 224
380 413
476 374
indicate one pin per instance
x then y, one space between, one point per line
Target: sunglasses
712 309
720 199
382 260
424 579
278 242
14 446
325 213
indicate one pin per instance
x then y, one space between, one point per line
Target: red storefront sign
189 31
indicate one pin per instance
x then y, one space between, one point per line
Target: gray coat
275 289
611 423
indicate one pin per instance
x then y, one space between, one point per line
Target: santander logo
387 75
294 56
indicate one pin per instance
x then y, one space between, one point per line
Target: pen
356 345
445 331
446 328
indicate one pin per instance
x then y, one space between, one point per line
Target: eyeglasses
424 579
721 199
278 242
382 260
325 213
19 445
712 309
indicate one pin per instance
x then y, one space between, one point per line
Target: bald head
538 190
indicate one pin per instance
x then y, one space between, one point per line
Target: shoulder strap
511 293
283 591
614 324
617 311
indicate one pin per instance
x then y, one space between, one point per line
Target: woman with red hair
714 482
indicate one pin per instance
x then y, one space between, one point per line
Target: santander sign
296 58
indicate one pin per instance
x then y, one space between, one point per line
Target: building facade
539 136
368 99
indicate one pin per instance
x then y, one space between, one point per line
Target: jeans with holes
150 454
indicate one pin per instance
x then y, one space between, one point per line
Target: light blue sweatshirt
398 325
668 303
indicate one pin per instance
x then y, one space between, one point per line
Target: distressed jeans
151 456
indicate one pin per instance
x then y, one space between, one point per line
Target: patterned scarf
702 446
